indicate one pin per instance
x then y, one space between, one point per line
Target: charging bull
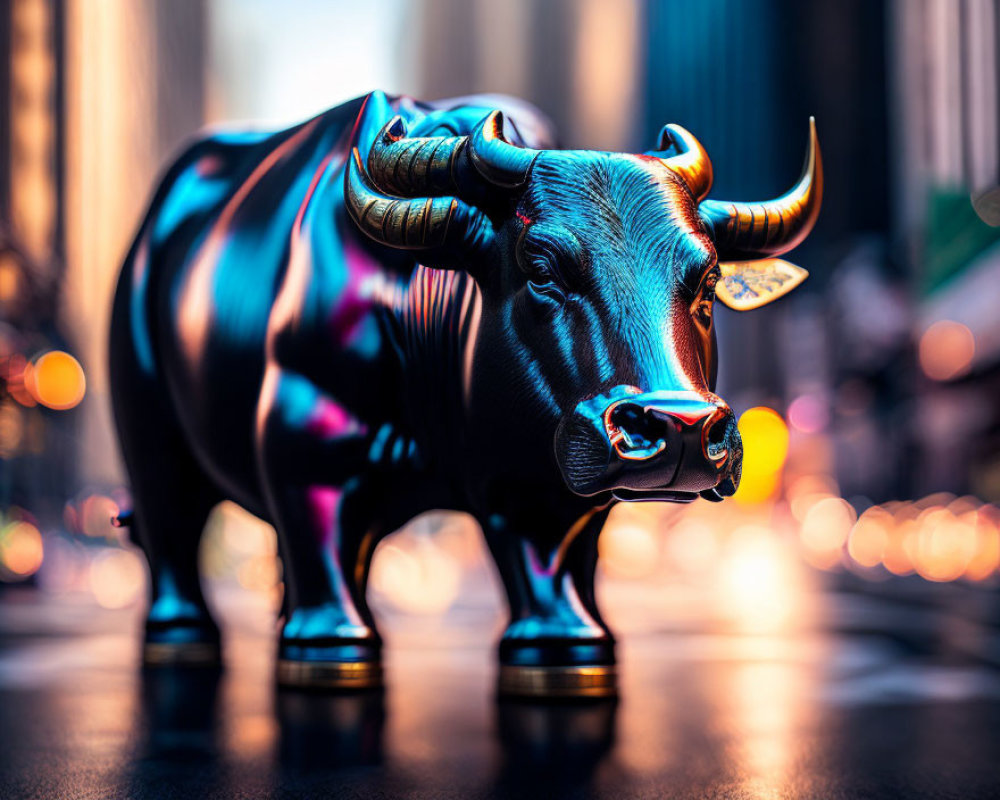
399 306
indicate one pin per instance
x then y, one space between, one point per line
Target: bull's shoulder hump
204 174
532 127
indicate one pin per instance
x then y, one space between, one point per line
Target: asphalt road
870 706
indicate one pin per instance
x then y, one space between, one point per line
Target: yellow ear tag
746 285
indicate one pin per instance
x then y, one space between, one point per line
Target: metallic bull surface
399 306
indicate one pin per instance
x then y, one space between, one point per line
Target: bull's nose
640 427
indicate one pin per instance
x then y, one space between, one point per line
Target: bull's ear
746 285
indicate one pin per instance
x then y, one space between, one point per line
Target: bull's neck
435 317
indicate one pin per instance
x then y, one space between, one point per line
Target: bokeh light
808 413
765 447
9 278
56 380
692 546
869 540
946 350
629 550
415 574
756 588
21 550
826 526
117 578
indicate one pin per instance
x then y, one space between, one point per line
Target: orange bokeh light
56 380
946 350
21 550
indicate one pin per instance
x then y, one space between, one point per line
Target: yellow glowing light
756 487
765 439
21 551
116 578
946 350
765 447
628 550
57 380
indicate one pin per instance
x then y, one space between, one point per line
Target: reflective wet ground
877 697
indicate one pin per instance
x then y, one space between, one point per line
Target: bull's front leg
314 467
557 644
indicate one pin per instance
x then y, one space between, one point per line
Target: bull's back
196 293
200 287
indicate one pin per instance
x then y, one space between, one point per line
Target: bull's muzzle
651 445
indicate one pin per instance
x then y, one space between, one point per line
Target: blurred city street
832 630
858 693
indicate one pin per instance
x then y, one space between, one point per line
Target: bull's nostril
714 440
635 433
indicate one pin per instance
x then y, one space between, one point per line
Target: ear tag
746 285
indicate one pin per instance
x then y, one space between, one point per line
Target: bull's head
598 273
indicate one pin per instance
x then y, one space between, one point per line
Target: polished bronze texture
540 682
400 306
755 230
189 654
329 675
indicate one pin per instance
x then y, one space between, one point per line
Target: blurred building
95 98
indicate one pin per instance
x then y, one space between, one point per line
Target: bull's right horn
745 231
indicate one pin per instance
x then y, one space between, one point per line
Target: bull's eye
703 311
547 289
549 256
701 308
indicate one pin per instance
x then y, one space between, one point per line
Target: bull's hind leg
311 454
557 644
172 498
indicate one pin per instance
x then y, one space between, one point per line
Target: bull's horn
416 167
691 162
758 230
496 159
426 223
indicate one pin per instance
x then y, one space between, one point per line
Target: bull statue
399 306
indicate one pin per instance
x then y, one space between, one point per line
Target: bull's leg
172 498
557 644
311 456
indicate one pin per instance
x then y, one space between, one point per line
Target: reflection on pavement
852 694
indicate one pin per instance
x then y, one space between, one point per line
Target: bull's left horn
416 167
691 162
746 231
496 159
427 223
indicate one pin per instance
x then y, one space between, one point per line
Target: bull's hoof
558 682
182 643
181 654
332 675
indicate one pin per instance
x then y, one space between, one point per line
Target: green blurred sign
955 236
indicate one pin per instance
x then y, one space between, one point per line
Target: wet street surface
839 709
